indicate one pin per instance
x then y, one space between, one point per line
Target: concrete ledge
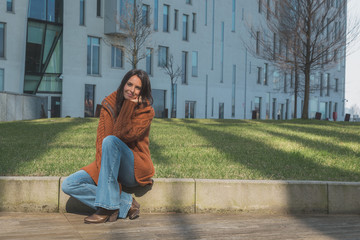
263 196
34 194
29 194
344 197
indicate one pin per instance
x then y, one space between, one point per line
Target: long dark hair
145 92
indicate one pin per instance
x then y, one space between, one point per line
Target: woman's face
132 88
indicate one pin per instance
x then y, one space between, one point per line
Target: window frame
12 6
160 57
185 33
91 56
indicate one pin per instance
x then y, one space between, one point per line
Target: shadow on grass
336 131
23 142
269 168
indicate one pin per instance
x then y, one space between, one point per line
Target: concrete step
43 194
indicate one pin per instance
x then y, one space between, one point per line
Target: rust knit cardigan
132 126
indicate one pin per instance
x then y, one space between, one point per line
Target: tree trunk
172 113
305 113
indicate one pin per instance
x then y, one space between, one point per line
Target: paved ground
180 226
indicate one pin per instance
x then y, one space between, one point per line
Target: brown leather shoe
134 210
102 215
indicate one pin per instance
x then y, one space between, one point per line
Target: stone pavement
45 226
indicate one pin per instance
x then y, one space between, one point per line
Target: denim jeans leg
114 155
80 186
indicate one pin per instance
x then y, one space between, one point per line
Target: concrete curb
43 194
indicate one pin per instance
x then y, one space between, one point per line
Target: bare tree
306 35
174 72
134 31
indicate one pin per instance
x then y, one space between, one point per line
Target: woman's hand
137 100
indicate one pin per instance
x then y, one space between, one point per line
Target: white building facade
58 49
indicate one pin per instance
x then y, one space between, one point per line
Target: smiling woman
122 153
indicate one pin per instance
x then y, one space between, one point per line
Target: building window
212 106
328 85
9 6
188 1
285 83
166 18
273 113
145 14
233 16
163 56
1 80
257 109
259 70
176 19
89 100
93 56
98 8
194 23
233 91
2 40
156 12
336 84
185 35
266 73
117 56
221 110
321 84
206 10
259 6
190 109
82 12
222 53
257 42
194 69
184 67
149 56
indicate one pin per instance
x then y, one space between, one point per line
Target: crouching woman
122 153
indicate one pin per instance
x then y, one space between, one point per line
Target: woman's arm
132 122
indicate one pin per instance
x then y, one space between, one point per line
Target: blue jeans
117 162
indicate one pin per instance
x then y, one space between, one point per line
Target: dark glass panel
34 47
55 63
50 83
89 100
31 82
37 9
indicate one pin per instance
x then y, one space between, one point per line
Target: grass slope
199 148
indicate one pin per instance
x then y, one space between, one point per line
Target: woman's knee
66 186
109 140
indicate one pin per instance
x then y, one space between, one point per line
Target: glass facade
43 62
46 10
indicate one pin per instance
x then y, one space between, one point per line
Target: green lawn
200 148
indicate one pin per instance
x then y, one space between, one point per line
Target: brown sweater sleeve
132 122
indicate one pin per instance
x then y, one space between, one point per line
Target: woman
122 153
